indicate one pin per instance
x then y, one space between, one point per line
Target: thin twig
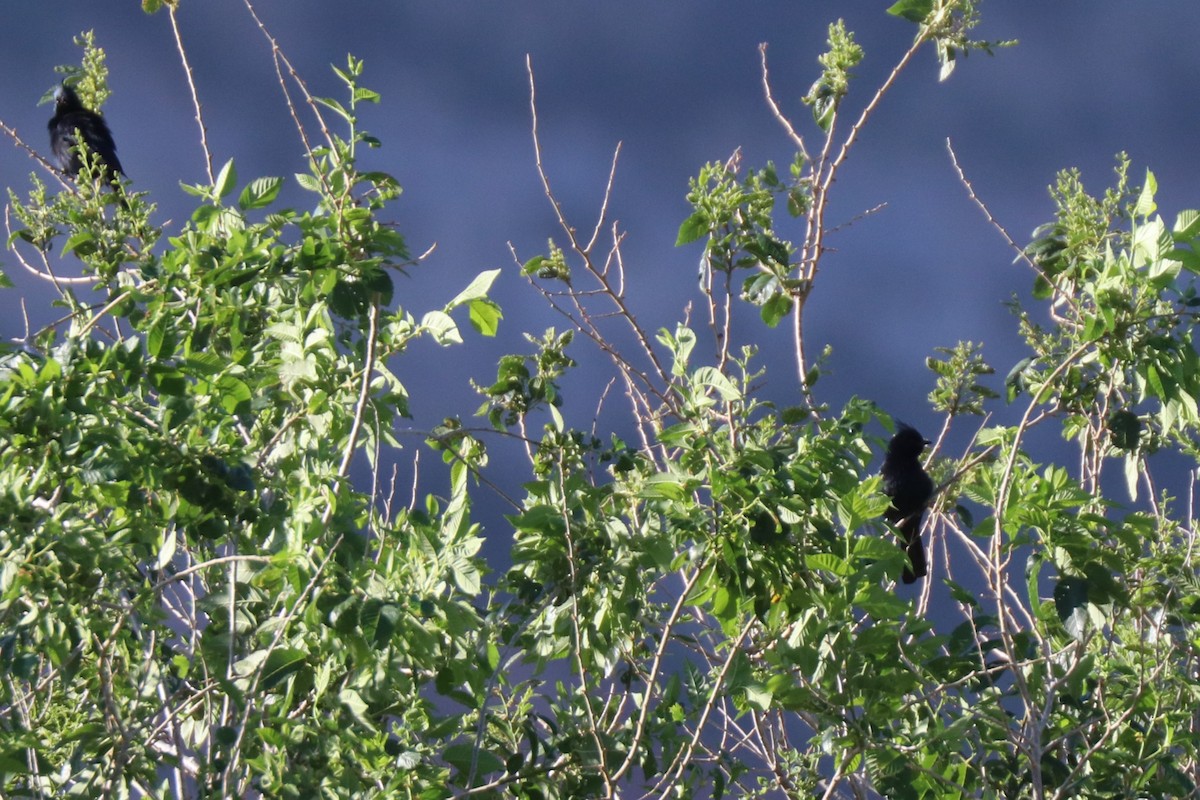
12 134
364 394
614 294
234 753
172 8
875 209
962 177
684 757
608 187
280 58
656 664
203 565
577 634
48 275
1060 297
796 138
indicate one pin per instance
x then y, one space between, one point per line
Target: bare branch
12 134
796 138
172 8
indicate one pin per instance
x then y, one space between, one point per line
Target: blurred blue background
679 85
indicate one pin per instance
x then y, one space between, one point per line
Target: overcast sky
678 84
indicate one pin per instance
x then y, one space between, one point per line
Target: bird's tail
916 554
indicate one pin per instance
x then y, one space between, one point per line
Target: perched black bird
911 489
71 121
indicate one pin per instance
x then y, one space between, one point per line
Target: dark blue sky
679 84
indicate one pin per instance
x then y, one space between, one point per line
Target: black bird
71 121
911 489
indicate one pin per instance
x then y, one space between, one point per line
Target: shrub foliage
199 596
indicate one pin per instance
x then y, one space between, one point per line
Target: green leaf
260 193
477 289
1015 380
722 600
692 229
360 94
1070 601
949 62
352 701
485 316
758 696
226 179
870 548
168 380
466 577
335 106
677 434
309 182
775 309
379 620
681 344
541 519
1155 380
912 10
663 485
1190 259
82 243
442 327
829 563
167 551
714 379
1187 225
159 334
824 107
1145 205
233 393
282 661
467 759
